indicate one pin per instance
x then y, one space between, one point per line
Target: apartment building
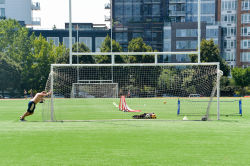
21 10
181 29
92 35
243 34
139 18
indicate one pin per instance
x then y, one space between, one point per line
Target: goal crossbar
132 53
142 64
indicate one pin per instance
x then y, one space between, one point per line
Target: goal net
93 91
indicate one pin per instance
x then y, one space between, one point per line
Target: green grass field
165 141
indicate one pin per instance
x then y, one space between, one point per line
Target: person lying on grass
32 104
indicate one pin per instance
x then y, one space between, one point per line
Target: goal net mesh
92 92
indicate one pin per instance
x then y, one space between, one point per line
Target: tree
138 45
14 40
16 45
84 59
63 54
106 47
44 54
31 56
8 32
9 75
241 77
210 53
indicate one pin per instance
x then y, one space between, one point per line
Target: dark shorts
31 107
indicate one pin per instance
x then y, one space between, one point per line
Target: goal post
152 87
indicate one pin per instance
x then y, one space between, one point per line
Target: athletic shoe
22 120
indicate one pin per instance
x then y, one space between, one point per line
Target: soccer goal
94 91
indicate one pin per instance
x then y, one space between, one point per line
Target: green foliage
62 54
43 55
167 78
186 79
8 32
15 44
241 77
82 59
9 75
32 55
138 45
106 47
210 53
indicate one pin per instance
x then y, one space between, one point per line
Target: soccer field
165 141
164 108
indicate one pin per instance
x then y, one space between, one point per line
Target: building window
212 33
66 41
98 43
229 18
167 45
245 5
87 41
2 12
186 33
128 9
186 44
137 34
2 1
229 44
136 9
55 40
245 44
245 57
156 10
167 33
229 56
121 37
148 10
229 31
245 18
182 58
245 31
228 5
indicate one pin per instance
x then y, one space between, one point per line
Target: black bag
145 116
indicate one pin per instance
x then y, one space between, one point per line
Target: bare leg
25 114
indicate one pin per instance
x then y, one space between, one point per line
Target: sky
56 12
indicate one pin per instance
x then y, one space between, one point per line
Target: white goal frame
138 64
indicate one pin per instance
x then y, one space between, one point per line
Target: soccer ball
165 102
147 116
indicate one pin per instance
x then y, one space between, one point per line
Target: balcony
177 1
107 18
177 13
107 6
35 6
36 21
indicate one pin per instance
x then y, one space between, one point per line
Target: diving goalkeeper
32 104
